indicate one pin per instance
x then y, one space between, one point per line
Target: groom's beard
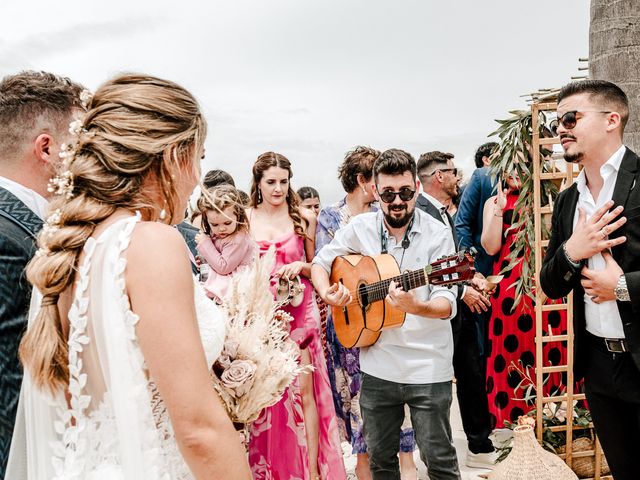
572 157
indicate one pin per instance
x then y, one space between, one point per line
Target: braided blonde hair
137 130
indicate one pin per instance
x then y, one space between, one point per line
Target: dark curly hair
360 160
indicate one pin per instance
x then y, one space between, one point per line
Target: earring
259 196
364 190
163 214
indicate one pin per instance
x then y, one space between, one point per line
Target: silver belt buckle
615 345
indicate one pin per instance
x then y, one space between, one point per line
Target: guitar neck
409 280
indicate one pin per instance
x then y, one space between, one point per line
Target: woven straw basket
529 461
585 467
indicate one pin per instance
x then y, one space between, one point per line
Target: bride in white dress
117 352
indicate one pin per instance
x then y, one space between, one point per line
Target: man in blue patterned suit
35 111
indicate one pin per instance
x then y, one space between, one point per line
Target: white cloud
314 79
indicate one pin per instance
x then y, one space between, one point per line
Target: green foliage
514 155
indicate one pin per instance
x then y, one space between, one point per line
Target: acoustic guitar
360 323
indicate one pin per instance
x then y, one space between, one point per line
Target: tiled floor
459 440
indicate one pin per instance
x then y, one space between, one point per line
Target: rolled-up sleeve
344 242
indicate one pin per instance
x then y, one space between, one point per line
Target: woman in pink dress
297 438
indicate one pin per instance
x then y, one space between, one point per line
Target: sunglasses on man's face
454 170
388 196
569 120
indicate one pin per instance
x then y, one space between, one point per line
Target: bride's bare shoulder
155 246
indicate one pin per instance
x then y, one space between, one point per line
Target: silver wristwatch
621 290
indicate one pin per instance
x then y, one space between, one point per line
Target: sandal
296 291
283 290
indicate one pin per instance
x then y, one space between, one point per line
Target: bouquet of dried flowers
259 360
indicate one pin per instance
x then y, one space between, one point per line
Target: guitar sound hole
363 295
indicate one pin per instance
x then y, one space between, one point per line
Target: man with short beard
35 111
411 364
594 251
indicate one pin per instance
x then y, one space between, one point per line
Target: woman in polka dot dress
512 330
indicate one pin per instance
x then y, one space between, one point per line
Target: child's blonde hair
219 199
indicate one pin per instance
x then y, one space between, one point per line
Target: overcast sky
312 79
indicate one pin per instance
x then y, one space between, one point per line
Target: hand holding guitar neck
404 301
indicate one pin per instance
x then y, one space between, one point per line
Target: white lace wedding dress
115 425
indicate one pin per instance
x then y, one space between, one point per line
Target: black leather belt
615 345
611 345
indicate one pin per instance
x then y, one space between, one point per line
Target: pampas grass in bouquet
259 359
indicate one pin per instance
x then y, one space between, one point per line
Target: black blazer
18 228
426 206
558 277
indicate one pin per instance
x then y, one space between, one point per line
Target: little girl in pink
225 244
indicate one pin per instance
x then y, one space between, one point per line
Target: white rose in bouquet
259 359
239 376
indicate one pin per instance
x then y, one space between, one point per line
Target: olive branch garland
513 155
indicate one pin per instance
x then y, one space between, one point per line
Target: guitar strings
382 286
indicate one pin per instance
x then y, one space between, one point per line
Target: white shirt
421 350
603 320
445 218
36 202
440 206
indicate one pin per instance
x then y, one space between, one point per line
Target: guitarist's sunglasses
389 196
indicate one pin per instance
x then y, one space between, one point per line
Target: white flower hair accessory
51 225
62 183
75 127
85 98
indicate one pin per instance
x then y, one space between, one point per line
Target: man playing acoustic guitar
411 364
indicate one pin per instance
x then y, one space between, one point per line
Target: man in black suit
35 111
439 180
594 251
